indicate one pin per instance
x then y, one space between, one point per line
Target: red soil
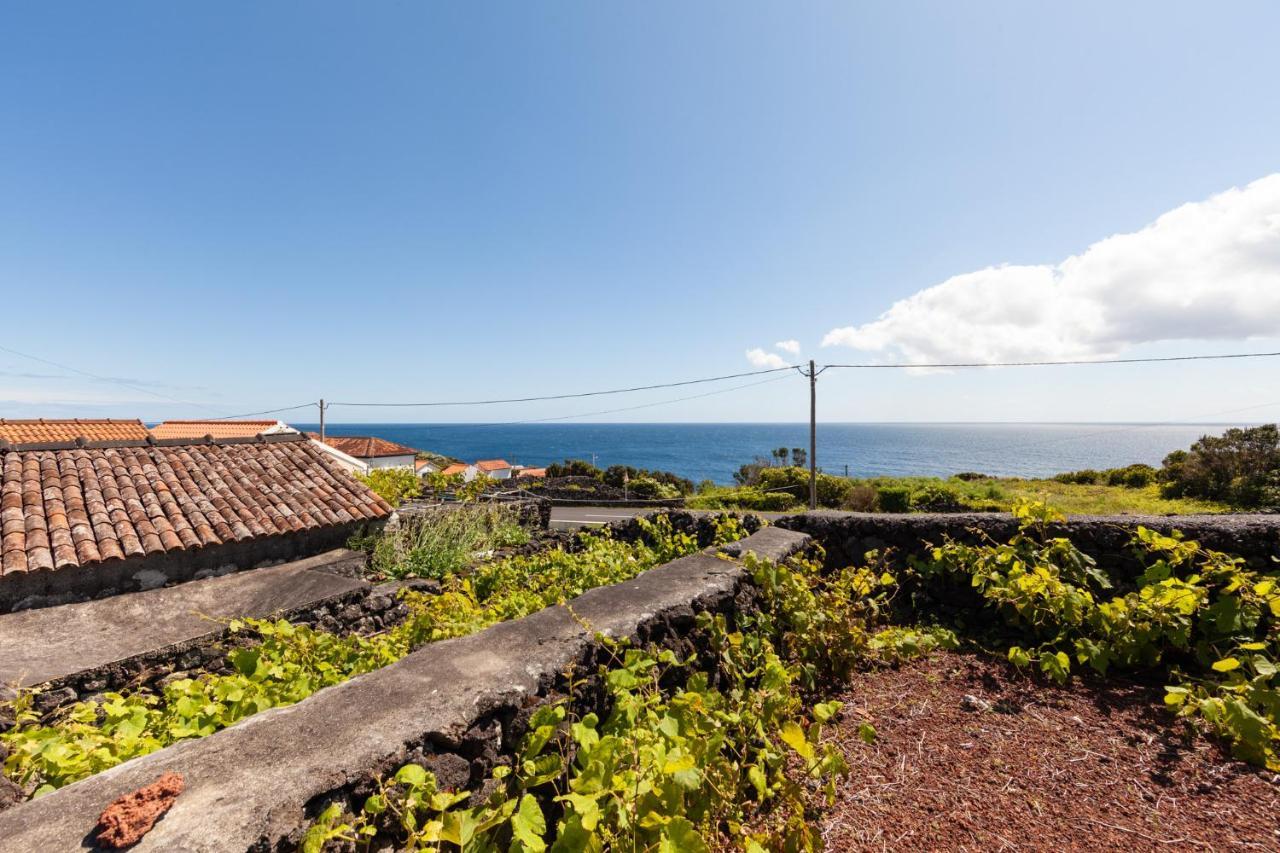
1025 766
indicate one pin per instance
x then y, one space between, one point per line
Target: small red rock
125 821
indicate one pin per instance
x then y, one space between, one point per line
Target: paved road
573 517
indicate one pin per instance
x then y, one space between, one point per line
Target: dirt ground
970 756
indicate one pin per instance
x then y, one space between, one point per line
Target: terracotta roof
217 429
364 446
77 506
419 464
93 429
492 464
532 472
456 468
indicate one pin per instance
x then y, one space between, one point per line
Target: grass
982 494
1107 500
446 540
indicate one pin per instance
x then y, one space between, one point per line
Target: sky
217 209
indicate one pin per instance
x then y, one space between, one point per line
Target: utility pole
322 420
813 436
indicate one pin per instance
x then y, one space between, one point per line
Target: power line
113 380
267 412
570 396
632 408
1149 360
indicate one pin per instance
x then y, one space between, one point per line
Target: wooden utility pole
813 436
322 419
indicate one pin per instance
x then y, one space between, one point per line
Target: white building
371 451
495 469
468 472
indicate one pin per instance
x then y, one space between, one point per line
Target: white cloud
792 347
760 358
1208 270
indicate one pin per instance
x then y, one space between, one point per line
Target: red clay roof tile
364 446
101 429
217 429
80 506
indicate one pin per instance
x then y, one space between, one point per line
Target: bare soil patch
971 756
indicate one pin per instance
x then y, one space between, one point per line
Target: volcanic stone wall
64 586
848 536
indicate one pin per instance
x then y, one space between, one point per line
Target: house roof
492 464
364 446
455 468
79 504
532 472
92 429
217 429
419 464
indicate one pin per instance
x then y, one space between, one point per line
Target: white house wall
405 461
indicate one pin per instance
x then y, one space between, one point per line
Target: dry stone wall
847 536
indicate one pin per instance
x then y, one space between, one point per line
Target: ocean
714 451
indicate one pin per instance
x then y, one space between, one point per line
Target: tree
799 457
1240 467
574 468
780 456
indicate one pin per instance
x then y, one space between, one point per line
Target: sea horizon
715 450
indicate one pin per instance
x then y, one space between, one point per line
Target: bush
574 468
832 491
619 476
393 485
1131 476
969 476
938 498
1240 467
1083 477
647 488
861 498
893 499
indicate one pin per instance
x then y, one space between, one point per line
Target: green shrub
648 488
861 498
619 476
1083 477
832 491
574 468
1137 476
936 497
893 499
393 485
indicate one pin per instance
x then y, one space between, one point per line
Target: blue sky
251 205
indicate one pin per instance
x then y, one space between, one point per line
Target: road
573 517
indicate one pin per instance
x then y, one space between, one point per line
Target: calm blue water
714 451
